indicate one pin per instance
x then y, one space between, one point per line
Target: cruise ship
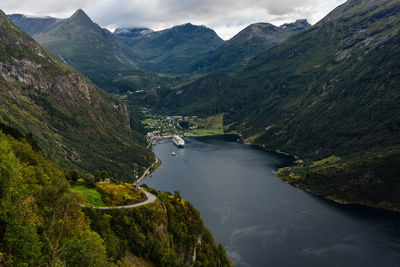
178 141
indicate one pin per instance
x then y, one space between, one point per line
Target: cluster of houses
165 126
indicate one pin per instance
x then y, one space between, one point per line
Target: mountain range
71 38
172 50
252 41
133 56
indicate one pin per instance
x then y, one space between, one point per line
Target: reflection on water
262 221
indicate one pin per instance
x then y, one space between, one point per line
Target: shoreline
264 148
158 166
149 171
332 199
293 159
346 203
341 202
214 135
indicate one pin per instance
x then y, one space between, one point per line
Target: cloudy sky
226 17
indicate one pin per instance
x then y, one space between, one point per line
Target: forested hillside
75 123
42 223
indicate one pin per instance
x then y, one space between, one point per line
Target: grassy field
93 197
208 126
206 132
149 121
330 160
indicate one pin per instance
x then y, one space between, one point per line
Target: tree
72 176
115 178
177 195
87 249
90 181
169 259
17 210
64 221
101 175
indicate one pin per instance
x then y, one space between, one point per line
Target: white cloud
226 17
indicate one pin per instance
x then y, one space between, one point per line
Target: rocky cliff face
74 121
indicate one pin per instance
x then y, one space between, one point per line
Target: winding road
150 199
137 182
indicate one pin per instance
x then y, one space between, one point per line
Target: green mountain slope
212 94
43 224
172 50
330 90
336 81
74 122
93 51
116 62
85 46
255 39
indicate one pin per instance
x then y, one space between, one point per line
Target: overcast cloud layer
226 17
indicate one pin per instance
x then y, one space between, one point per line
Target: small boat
173 153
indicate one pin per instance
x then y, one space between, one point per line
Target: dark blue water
262 221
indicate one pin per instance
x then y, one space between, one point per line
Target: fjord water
262 221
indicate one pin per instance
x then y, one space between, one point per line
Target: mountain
32 24
71 27
172 50
103 56
118 62
75 123
80 43
132 32
329 92
255 39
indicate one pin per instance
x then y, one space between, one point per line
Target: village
161 127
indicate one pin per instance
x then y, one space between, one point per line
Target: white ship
178 141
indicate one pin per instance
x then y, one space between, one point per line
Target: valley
60 136
86 111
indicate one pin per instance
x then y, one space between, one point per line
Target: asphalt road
150 199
